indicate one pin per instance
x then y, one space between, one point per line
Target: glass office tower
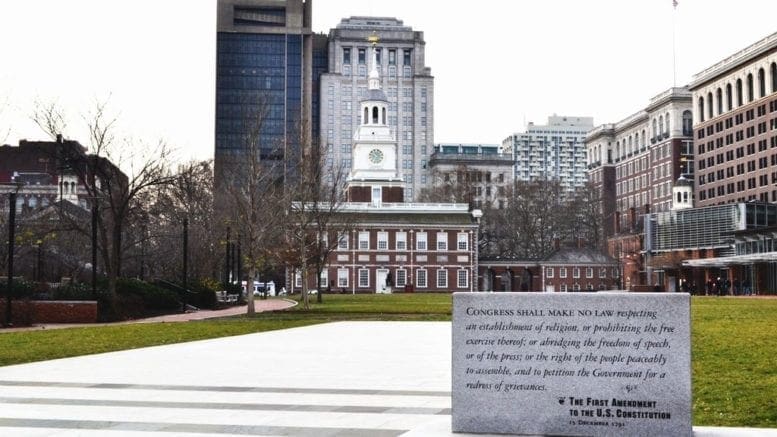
264 82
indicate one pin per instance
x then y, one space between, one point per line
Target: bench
224 297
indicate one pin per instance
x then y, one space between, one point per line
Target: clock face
376 156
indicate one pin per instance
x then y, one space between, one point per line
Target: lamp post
11 238
185 252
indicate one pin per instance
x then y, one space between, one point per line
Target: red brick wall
25 312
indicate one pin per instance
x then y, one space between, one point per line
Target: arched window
643 138
749 87
631 145
719 96
618 149
668 128
774 77
761 82
384 115
739 93
660 125
728 97
366 115
636 140
374 115
709 105
687 123
701 108
72 188
654 133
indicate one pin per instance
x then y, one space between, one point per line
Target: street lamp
11 238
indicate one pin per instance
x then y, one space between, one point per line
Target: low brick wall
30 312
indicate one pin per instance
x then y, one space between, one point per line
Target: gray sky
497 63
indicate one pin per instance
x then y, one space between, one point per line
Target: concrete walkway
259 305
375 379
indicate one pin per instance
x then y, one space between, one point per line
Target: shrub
22 289
154 298
74 292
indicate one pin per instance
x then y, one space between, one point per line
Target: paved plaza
340 379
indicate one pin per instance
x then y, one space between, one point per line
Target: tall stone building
555 151
481 173
405 78
265 71
735 114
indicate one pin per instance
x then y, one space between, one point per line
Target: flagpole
674 56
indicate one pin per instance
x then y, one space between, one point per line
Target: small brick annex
566 269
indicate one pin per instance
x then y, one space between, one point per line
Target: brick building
567 269
635 163
735 109
39 167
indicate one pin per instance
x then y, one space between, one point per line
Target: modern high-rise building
265 80
735 126
555 151
405 78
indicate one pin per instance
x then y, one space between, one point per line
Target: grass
734 359
733 344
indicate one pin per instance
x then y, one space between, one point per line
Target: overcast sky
497 63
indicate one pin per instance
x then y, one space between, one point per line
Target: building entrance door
380 281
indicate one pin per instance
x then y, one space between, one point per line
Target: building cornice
738 59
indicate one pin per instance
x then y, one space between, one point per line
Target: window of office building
442 278
420 278
382 240
364 278
442 241
364 240
462 241
342 277
462 279
420 241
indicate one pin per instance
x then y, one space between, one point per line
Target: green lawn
734 361
734 344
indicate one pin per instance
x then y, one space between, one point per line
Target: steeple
374 175
374 77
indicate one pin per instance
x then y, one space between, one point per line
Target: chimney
59 138
580 242
556 244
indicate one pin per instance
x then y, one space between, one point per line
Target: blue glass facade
320 66
258 72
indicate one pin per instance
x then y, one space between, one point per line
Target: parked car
261 288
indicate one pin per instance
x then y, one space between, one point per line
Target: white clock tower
374 165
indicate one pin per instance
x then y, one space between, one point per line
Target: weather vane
373 39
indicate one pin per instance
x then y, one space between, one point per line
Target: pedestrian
746 285
737 290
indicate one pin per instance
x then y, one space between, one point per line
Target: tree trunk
250 289
319 298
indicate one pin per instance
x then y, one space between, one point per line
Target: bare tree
116 195
315 209
189 197
252 195
50 118
458 186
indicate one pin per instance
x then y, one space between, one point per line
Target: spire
374 77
